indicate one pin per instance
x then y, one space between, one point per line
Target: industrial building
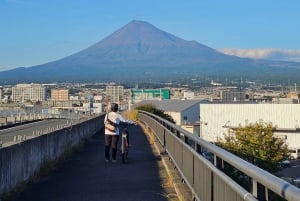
230 95
138 95
182 111
218 119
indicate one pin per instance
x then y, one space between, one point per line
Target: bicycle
124 145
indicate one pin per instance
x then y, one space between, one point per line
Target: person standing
112 121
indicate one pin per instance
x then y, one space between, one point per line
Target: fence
209 180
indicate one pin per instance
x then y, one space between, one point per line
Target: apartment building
59 94
114 93
28 92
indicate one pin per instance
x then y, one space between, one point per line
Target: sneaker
114 161
106 160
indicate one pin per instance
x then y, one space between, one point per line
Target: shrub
152 109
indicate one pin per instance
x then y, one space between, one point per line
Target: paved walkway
85 176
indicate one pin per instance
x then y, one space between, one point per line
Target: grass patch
149 133
132 115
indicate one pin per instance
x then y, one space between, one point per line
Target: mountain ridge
139 50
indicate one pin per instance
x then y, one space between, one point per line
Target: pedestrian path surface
85 176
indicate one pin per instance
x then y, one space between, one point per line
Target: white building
114 93
216 119
0 95
188 95
28 92
97 108
74 97
98 99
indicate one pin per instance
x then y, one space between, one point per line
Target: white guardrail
223 177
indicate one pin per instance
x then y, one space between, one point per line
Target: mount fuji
140 51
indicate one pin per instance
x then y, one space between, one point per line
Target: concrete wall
9 120
21 161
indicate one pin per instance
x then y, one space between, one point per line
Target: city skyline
36 32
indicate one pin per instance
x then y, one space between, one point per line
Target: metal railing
216 180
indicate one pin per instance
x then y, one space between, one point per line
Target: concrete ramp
85 176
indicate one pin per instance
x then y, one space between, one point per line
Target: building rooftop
174 105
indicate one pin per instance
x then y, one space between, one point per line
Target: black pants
111 142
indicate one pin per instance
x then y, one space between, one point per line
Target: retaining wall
21 161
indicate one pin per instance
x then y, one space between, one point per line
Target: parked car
285 163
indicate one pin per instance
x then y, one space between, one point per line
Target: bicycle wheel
124 150
124 158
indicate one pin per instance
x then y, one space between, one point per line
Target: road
293 171
30 130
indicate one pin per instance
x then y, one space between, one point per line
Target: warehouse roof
175 105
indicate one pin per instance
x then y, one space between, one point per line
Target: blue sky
38 31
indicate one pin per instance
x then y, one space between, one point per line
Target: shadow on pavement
85 176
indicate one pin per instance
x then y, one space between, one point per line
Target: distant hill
140 51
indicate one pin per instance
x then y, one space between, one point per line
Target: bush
152 109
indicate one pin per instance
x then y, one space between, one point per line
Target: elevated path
85 176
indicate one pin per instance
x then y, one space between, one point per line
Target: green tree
257 144
152 109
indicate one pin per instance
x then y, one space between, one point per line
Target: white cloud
270 54
4 68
